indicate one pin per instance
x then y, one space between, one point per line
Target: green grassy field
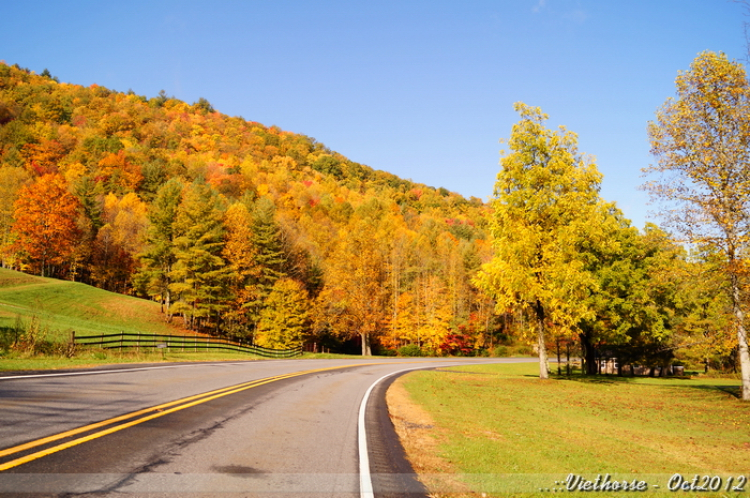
506 433
60 306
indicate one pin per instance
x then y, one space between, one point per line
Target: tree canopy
546 195
701 139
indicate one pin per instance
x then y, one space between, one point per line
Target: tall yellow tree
437 312
544 197
702 142
355 298
118 241
406 323
240 254
285 319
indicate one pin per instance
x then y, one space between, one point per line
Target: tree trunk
741 339
167 307
366 351
543 368
589 353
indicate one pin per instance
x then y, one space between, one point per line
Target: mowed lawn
503 432
61 306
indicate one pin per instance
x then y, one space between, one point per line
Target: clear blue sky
423 89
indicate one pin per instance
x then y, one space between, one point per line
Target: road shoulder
420 439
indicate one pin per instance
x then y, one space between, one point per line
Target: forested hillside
255 233
236 228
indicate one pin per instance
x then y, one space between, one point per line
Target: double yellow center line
134 418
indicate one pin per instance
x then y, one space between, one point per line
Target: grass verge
497 430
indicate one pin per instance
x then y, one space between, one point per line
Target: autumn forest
236 228
250 232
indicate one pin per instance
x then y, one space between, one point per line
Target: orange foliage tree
45 215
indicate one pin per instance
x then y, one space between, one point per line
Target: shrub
500 352
409 350
523 350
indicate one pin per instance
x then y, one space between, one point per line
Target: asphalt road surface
258 428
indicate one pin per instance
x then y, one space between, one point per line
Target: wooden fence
183 343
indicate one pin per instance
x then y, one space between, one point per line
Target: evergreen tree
268 241
268 238
634 302
155 274
199 276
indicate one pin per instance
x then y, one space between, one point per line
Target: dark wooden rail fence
195 343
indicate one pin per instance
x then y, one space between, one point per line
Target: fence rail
127 340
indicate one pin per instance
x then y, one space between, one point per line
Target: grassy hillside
61 306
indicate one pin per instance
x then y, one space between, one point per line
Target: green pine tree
199 276
154 277
268 238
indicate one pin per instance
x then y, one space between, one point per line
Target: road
256 428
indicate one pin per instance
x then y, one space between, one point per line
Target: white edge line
365 478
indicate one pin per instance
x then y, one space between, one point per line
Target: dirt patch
421 439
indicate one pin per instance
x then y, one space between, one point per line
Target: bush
500 352
31 338
523 350
409 350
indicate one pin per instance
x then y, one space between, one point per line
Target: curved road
254 428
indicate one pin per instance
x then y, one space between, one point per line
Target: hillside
237 228
61 306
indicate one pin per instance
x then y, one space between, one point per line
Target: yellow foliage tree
545 195
285 319
702 142
119 240
437 313
355 298
240 254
